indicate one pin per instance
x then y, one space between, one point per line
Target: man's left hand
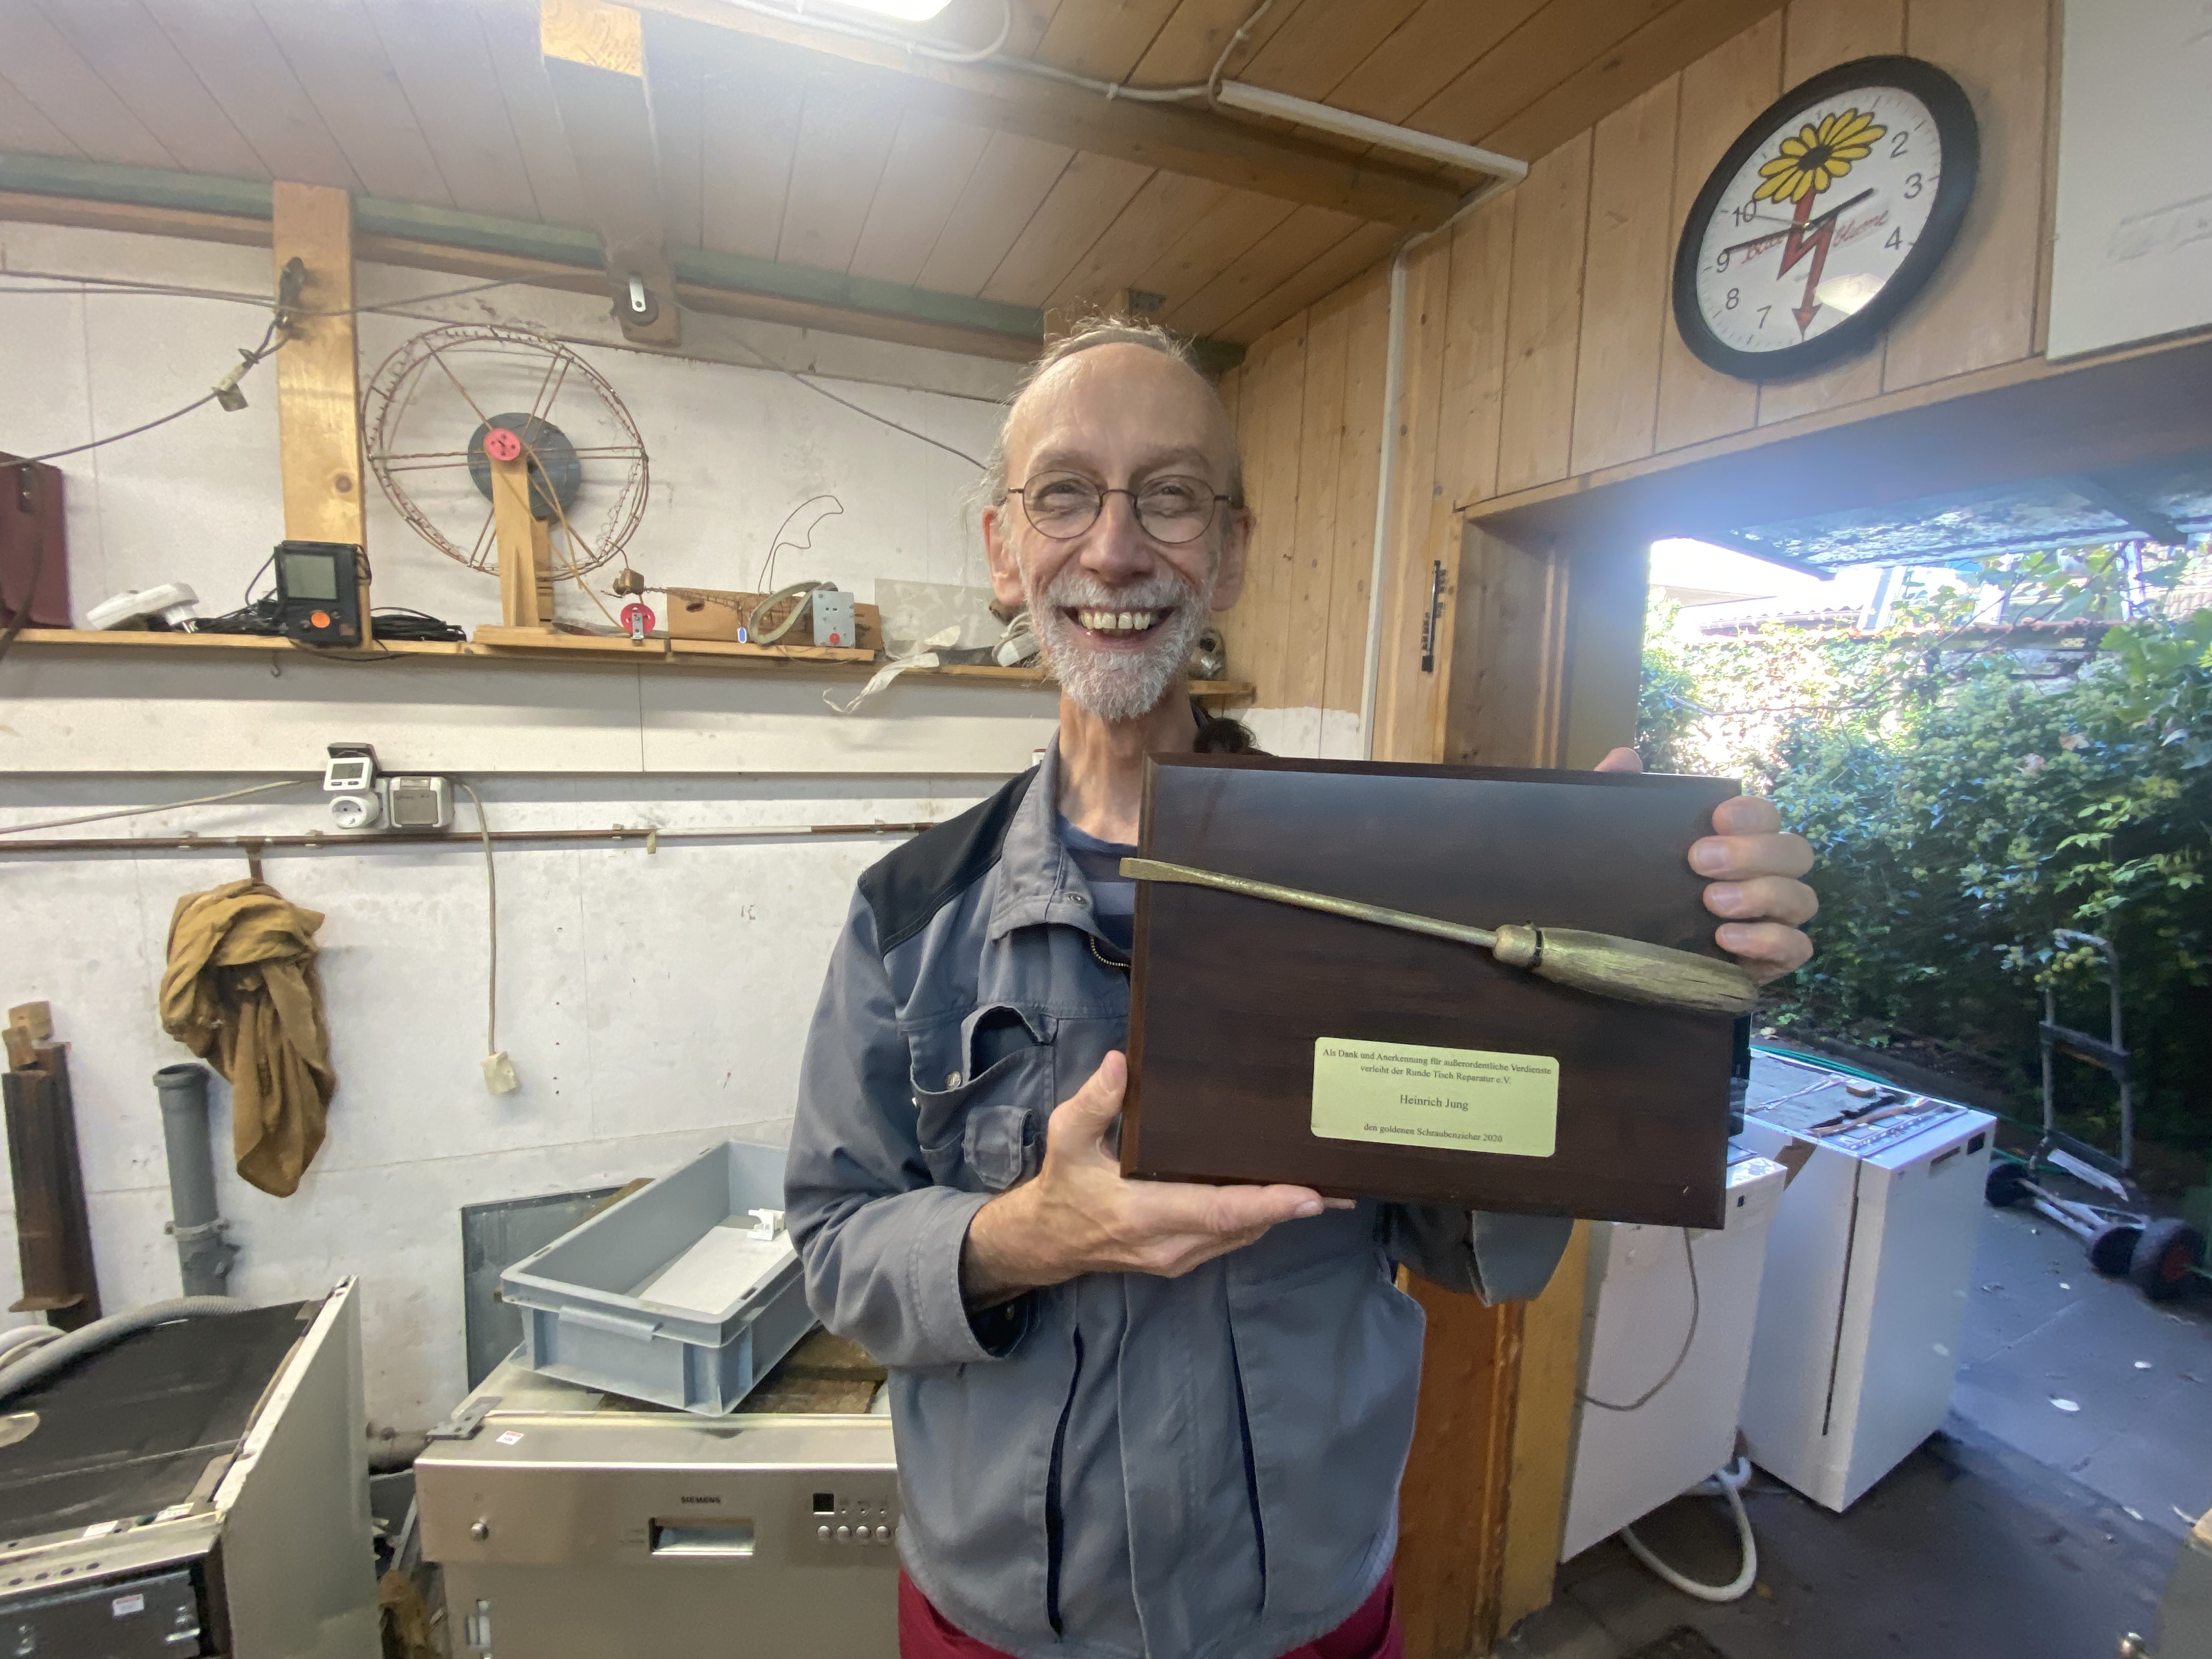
1753 868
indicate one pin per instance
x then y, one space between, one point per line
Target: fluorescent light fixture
1259 100
906 11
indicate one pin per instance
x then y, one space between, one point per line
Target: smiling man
1132 1417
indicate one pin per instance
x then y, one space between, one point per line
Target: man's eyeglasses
1172 509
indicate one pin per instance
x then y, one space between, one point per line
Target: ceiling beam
1198 143
2140 516
594 56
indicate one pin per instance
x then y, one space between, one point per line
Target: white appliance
1635 1320
1866 1279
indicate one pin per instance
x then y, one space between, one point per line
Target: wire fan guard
423 419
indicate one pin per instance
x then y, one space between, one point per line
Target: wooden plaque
1230 995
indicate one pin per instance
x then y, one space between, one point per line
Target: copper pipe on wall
254 845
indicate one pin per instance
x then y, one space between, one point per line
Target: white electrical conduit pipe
1729 1484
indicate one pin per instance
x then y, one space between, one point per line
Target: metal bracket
464 1424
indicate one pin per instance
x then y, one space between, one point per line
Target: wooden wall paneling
1544 316
1105 41
1314 546
120 44
1013 175
1722 93
24 130
233 54
1543 1436
675 82
1190 41
1306 234
1087 197
1669 42
1204 250
438 52
1168 205
1607 581
845 137
1452 1507
1474 348
1358 473
328 45
1363 249
1319 43
512 42
1625 280
1274 389
930 164
318 373
1818 34
749 123
1980 309
1503 703
48 72
1406 699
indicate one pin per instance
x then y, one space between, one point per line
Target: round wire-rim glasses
1174 508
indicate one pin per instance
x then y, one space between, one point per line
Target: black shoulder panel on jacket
909 885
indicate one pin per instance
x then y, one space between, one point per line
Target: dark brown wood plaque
1228 994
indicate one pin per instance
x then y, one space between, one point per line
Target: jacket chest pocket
983 1128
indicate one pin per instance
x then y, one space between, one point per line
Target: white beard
1118 685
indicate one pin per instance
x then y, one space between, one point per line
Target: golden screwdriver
1625 969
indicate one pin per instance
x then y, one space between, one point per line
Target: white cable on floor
1729 1483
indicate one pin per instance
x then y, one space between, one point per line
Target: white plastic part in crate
667 1296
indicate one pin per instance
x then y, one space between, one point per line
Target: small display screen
307 575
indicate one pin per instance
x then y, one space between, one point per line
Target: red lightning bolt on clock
1807 236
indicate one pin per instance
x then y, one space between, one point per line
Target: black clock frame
1960 136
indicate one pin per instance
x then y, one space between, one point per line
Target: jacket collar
1037 880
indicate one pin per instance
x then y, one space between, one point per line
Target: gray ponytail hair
1088 336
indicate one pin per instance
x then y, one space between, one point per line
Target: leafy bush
1966 800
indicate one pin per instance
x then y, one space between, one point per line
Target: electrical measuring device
319 591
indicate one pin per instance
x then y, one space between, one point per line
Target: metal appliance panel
569 1525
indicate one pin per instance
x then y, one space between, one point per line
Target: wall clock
1824 218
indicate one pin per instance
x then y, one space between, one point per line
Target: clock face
1825 217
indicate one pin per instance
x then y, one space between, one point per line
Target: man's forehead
1114 397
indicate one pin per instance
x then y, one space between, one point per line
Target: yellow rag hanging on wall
240 990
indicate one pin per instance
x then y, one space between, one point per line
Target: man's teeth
1117 622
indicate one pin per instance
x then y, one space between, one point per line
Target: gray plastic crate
663 1296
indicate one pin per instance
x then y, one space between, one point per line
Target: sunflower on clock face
1816 156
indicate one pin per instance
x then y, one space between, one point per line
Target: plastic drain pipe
204 1253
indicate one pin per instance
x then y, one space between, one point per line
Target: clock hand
1810 227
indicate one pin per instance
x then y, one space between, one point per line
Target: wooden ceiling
806 159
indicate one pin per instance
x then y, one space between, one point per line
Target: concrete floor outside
2022 1531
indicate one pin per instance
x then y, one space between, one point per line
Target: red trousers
1370 1633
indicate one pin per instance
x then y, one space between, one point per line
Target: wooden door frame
1539 664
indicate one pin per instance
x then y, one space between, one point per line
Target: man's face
1117 608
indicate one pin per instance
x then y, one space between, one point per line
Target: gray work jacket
1203 1467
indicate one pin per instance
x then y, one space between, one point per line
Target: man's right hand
1081 1216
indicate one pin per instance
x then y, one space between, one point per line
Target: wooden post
594 56
317 375
524 551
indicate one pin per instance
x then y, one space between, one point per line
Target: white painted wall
733 449
652 1003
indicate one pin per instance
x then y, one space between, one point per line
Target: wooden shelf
494 645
